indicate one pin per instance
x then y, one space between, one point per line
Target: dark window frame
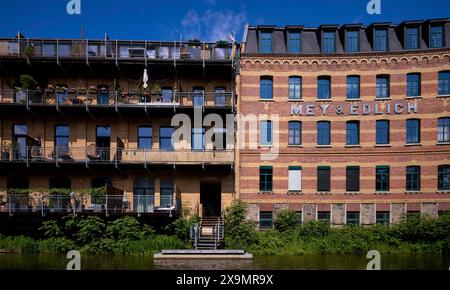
266 88
382 132
295 133
444 129
382 178
413 178
353 185
413 131
352 133
323 134
413 84
265 178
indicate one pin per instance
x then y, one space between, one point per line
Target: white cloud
212 25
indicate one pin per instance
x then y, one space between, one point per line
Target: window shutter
295 178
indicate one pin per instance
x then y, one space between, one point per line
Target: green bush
125 228
20 244
287 220
90 229
51 229
56 245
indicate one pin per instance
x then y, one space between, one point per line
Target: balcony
94 155
115 99
85 50
43 203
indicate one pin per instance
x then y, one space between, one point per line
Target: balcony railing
86 49
105 98
76 203
95 155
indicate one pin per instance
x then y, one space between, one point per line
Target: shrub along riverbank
128 236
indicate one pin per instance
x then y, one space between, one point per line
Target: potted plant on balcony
27 82
27 51
92 89
222 43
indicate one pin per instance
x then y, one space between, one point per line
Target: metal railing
73 203
92 155
87 49
74 97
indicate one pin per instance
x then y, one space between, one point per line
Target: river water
144 262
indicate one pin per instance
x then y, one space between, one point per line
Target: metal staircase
208 234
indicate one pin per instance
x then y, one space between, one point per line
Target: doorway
103 142
210 195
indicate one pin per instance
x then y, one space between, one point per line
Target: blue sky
203 19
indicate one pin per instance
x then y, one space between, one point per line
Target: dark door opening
103 142
210 193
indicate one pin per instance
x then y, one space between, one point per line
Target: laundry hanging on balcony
145 79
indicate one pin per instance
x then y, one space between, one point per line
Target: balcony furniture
92 153
36 153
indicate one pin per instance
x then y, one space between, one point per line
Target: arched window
101 181
60 182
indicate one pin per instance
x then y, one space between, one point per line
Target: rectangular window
295 88
198 96
444 83
382 132
266 88
413 178
412 38
323 133
295 133
145 137
265 219
324 88
198 139
62 133
265 44
352 178
265 133
166 193
329 42
412 131
295 178
165 138
352 132
353 87
382 90
220 96
444 177
382 178
437 36
444 130
383 217
353 218
166 95
324 216
265 178
323 178
352 41
294 42
413 85
381 40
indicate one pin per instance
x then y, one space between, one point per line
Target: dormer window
381 40
352 41
294 40
412 38
437 36
329 42
265 43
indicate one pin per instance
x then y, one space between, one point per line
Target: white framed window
295 178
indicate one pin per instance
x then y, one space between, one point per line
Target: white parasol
145 79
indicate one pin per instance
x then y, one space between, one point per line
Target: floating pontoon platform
203 254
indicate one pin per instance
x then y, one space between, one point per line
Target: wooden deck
203 254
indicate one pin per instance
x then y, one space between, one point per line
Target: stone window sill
295 146
383 99
412 192
323 100
443 96
323 193
324 146
414 97
352 193
295 100
413 144
382 193
443 192
383 145
443 143
352 100
353 146
266 100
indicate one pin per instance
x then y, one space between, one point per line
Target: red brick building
358 118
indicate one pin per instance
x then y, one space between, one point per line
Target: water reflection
146 262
